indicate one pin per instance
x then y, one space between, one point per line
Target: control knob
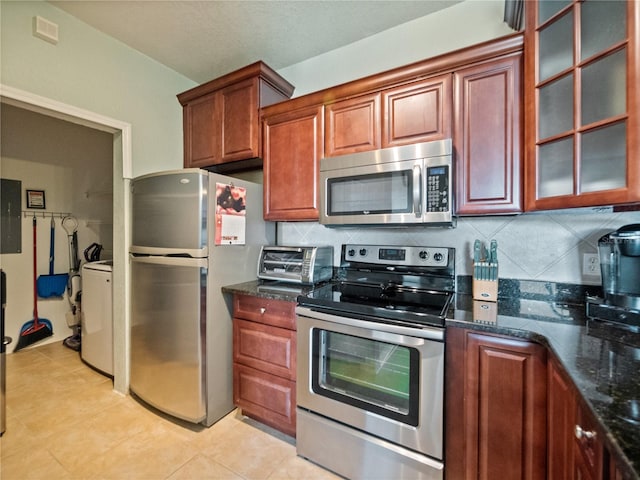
438 257
423 254
363 252
351 252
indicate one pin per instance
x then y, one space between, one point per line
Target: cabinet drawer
267 398
267 348
271 312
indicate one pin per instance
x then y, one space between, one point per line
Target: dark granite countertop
602 360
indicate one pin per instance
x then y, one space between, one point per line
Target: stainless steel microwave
404 185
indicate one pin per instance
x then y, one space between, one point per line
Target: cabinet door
269 349
487 137
582 105
560 425
240 127
201 130
588 451
419 112
353 125
267 398
499 429
292 146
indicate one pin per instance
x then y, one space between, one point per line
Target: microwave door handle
417 190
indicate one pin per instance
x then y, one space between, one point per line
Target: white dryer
97 315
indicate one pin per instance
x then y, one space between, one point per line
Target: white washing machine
97 315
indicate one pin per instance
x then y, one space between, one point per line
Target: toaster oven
304 265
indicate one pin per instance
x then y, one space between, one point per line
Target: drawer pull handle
584 434
262 310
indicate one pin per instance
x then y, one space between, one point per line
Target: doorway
120 139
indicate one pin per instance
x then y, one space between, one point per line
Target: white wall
461 25
95 72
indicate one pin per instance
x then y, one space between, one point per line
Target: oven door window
378 193
379 377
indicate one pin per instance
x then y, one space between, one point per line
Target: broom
39 328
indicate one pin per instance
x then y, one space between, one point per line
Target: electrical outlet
590 264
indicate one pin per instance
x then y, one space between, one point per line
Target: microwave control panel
438 189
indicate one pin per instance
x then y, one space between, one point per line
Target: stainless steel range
371 362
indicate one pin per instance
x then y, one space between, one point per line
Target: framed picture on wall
35 199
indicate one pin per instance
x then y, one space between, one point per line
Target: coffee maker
619 253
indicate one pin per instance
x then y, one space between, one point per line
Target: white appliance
192 233
97 315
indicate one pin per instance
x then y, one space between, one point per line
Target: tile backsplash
542 246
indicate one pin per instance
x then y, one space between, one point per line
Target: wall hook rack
32 213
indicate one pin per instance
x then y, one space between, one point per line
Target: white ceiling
203 40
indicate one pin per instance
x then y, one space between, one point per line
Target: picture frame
35 199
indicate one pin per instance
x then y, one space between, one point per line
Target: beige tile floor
64 421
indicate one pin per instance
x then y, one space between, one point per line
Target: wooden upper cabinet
487 137
293 146
582 99
221 118
353 125
240 126
203 114
418 112
496 387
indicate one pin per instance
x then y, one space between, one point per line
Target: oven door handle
426 332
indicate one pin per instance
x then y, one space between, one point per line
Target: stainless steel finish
439 148
417 191
620 267
169 318
409 335
415 159
180 226
303 265
427 437
181 333
355 455
413 256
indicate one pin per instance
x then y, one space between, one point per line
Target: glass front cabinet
582 99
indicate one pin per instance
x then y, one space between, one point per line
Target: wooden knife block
485 290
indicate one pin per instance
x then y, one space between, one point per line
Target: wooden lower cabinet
264 361
265 397
561 423
576 449
495 407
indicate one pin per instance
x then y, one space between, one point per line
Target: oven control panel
393 255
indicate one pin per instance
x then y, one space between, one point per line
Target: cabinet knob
262 310
584 434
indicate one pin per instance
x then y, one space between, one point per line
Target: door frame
122 174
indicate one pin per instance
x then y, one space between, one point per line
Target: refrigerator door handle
172 261
162 251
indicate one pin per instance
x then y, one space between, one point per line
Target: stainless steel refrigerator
192 232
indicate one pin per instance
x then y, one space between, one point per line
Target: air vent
46 30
